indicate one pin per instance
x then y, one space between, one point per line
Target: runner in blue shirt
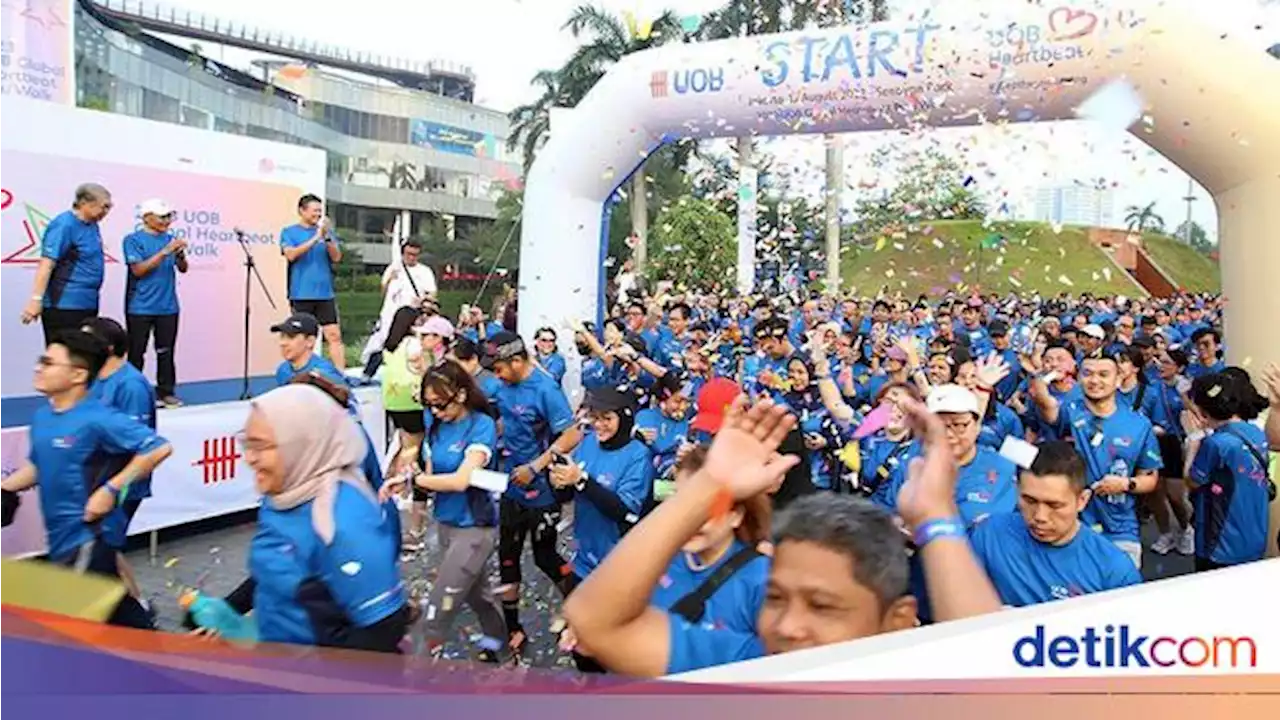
549 358
1163 406
1208 348
665 428
154 257
537 424
839 569
462 441
1043 552
776 352
323 560
69 277
1228 470
311 249
1118 445
72 439
297 345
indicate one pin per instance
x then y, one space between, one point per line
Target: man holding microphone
154 257
311 250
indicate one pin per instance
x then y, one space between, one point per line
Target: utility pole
1190 198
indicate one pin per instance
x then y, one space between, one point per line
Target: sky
506 41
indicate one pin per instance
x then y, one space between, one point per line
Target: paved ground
215 559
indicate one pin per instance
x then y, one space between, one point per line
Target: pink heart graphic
1069 24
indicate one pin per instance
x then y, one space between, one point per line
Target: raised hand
1271 379
743 457
930 489
991 370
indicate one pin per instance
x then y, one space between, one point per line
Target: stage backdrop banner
216 182
37 51
206 476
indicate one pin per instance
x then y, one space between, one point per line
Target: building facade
1075 205
412 148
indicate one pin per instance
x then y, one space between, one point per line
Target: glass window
158 107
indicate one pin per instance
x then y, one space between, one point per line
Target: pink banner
38 45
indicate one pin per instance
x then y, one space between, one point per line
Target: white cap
1094 331
154 206
952 399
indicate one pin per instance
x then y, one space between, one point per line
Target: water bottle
213 613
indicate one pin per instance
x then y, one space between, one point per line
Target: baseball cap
1094 331
504 345
298 324
998 328
952 399
713 399
896 353
155 206
606 399
436 325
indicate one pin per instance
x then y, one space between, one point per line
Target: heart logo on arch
1069 24
6 199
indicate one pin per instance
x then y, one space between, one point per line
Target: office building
1075 205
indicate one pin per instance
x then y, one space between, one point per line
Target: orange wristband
721 504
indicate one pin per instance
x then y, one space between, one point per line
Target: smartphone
559 459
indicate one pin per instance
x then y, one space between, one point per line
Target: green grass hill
962 254
1185 266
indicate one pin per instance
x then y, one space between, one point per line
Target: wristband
1197 435
931 530
111 489
984 389
721 504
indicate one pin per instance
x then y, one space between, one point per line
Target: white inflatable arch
1214 101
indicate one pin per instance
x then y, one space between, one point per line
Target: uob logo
698 81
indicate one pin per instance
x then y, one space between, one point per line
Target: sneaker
1164 543
171 401
1187 542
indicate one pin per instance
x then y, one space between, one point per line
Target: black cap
1144 341
998 328
607 399
773 327
503 345
298 324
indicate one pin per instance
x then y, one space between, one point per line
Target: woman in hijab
611 477
324 558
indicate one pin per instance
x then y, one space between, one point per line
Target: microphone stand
250 271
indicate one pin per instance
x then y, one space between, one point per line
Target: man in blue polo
1043 552
69 277
311 249
154 257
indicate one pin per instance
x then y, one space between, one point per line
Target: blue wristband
934 529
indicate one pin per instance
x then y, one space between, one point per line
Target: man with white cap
1091 338
154 256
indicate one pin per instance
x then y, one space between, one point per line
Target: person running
403 366
311 250
839 570
69 437
323 560
462 440
610 475
1043 552
1163 405
154 256
537 423
1227 470
121 387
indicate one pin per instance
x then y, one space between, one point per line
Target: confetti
171 562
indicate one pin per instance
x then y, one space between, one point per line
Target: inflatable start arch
1213 99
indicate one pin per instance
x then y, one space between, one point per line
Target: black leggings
539 525
165 329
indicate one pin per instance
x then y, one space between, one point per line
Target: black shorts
1171 454
324 311
410 421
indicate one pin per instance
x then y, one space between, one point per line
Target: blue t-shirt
1163 406
129 392
75 247
980 344
626 472
735 605
670 434
1230 494
307 592
449 444
1026 571
1005 423
155 293
311 275
534 413
880 459
1195 370
694 647
1121 444
70 450
987 485
554 365
285 370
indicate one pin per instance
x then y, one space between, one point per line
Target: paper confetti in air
1116 106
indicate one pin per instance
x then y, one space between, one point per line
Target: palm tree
607 39
1141 219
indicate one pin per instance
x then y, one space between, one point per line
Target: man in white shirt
405 283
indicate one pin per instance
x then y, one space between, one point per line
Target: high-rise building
1075 205
405 143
